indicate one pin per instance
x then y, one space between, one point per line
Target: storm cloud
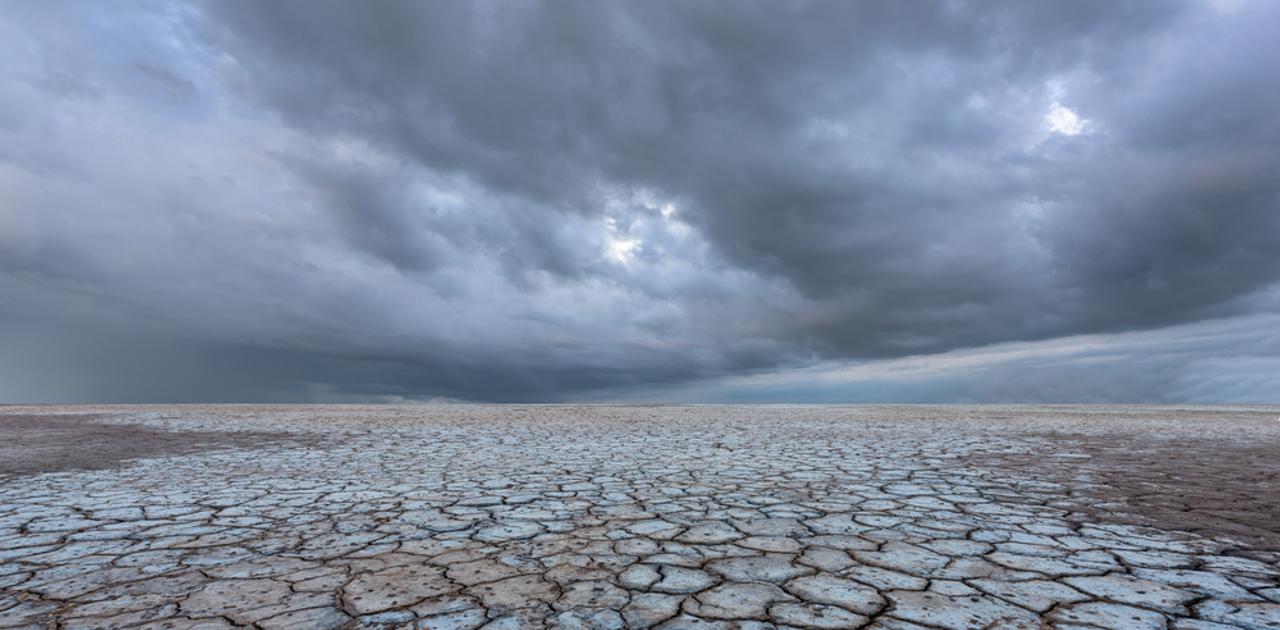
598 200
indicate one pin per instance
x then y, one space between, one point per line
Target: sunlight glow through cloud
1064 121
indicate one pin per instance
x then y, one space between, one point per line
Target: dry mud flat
610 517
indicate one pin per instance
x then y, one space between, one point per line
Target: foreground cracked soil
612 517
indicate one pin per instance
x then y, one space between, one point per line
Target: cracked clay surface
445 517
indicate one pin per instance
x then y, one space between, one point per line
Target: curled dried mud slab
890 518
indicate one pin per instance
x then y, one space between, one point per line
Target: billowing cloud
545 201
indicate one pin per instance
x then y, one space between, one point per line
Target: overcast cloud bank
600 201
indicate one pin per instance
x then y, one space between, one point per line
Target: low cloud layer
592 200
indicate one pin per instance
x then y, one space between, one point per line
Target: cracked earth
446 517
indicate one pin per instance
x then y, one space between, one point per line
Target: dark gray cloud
524 201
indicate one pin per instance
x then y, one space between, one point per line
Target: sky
595 201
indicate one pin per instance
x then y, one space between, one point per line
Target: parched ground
609 517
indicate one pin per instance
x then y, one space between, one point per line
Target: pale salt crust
610 517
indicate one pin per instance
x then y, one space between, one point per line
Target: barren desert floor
610 517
